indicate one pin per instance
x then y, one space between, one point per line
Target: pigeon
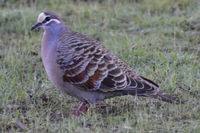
83 68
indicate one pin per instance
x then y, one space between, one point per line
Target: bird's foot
85 106
82 109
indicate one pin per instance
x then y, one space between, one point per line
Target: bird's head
46 19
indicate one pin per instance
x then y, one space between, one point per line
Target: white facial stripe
55 20
41 17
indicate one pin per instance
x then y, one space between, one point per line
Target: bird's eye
47 18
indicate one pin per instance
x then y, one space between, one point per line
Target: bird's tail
161 95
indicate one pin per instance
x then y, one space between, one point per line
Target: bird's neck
53 31
49 39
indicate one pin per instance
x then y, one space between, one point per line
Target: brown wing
87 64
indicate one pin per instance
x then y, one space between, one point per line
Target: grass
158 39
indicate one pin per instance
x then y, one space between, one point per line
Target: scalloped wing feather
88 65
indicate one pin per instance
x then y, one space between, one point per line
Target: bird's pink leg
85 106
82 108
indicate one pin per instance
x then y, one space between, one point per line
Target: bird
83 68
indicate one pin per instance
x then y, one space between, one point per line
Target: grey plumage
84 68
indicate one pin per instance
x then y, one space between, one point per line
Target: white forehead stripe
41 17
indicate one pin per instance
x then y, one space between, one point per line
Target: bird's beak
38 24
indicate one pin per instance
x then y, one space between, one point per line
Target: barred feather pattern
87 64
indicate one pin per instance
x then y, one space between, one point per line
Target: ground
158 39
